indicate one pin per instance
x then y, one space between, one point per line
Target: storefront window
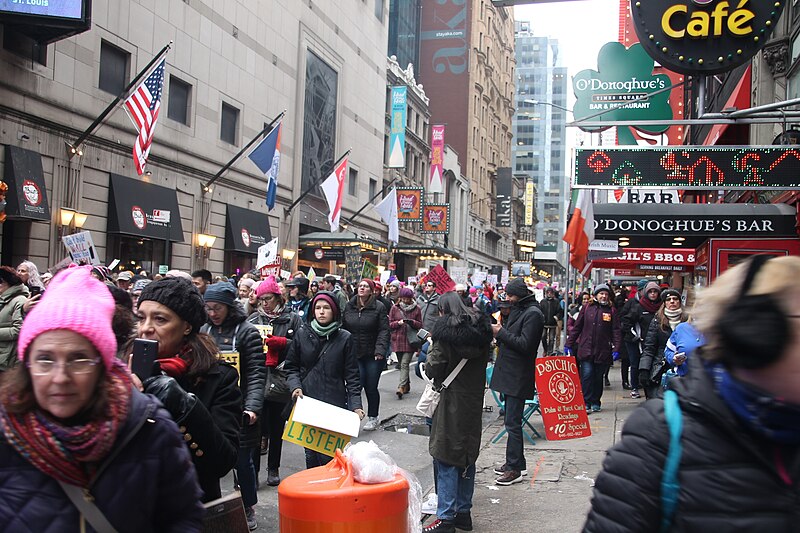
239 263
137 253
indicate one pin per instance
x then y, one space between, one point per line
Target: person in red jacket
595 339
403 315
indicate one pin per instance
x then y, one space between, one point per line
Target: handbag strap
670 485
449 379
89 510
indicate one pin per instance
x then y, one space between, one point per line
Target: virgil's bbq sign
689 167
704 36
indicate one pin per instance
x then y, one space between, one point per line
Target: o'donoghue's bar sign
741 167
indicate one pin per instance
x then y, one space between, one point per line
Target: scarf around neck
325 331
649 305
70 454
408 307
763 414
674 317
272 314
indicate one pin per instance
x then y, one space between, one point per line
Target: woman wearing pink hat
277 324
79 443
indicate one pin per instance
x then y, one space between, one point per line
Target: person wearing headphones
738 464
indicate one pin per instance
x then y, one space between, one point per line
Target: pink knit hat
268 286
75 301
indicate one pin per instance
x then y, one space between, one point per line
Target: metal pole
267 128
350 220
73 147
311 188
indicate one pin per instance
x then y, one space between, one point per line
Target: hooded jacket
11 302
369 327
596 334
236 334
730 479
146 483
456 430
518 343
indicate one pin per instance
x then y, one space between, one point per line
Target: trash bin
327 499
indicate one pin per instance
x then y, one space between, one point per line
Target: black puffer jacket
728 477
287 324
456 430
236 334
518 342
635 318
325 368
369 327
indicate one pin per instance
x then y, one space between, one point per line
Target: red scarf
70 454
649 305
177 366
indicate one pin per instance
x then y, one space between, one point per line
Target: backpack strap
670 485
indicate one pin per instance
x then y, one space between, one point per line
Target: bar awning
343 238
27 196
246 230
144 210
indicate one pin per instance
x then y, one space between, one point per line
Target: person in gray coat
514 373
428 303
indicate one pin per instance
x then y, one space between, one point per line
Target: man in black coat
514 373
551 308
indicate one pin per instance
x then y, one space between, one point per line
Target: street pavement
555 496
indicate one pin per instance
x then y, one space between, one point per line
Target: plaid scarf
70 454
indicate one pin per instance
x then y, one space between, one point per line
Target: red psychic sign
561 398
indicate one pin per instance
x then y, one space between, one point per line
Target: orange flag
580 232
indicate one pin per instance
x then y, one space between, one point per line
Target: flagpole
380 192
316 182
74 148
267 129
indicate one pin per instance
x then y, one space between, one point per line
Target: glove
276 343
177 401
615 355
644 377
567 351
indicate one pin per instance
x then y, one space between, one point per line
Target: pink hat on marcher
268 286
75 301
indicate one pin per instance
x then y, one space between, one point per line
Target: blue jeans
455 488
634 354
246 473
315 459
592 381
515 456
370 370
421 358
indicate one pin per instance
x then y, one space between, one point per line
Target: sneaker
440 526
463 521
273 478
429 506
626 386
596 408
500 470
372 424
635 394
250 514
509 477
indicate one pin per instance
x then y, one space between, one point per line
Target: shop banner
397 137
81 248
352 262
437 159
409 204
561 398
436 218
439 275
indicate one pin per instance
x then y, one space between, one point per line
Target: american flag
142 106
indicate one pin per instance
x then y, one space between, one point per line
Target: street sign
561 398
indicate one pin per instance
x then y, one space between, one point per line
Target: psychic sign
561 398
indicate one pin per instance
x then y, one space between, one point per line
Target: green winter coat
10 323
457 422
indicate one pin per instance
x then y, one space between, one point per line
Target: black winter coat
331 377
456 430
595 334
634 318
211 429
518 343
551 309
654 345
284 325
147 482
369 327
239 335
729 478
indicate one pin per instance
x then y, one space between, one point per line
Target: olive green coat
10 323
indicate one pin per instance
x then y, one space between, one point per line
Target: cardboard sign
561 398
320 426
232 358
492 279
352 260
478 278
459 274
81 248
439 275
369 271
265 330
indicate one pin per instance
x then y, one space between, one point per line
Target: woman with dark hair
667 318
461 333
13 295
76 435
403 315
278 325
736 416
200 392
367 320
321 362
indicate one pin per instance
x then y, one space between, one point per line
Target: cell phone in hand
423 334
36 290
145 352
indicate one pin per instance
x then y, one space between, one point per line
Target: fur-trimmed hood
463 333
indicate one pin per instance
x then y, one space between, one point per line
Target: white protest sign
478 278
385 276
492 279
459 274
81 248
504 276
323 415
268 254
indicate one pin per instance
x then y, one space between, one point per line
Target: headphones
755 331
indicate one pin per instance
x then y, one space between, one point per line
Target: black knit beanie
181 297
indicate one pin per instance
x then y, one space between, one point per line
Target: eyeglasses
267 298
43 367
214 308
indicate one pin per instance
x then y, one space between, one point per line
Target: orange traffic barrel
327 499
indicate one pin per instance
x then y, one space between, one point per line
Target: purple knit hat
75 301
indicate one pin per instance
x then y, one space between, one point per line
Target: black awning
143 209
246 230
27 195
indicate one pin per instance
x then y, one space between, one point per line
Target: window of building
113 68
23 46
229 124
180 94
373 189
352 182
319 120
379 9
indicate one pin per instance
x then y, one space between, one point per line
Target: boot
400 391
407 388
